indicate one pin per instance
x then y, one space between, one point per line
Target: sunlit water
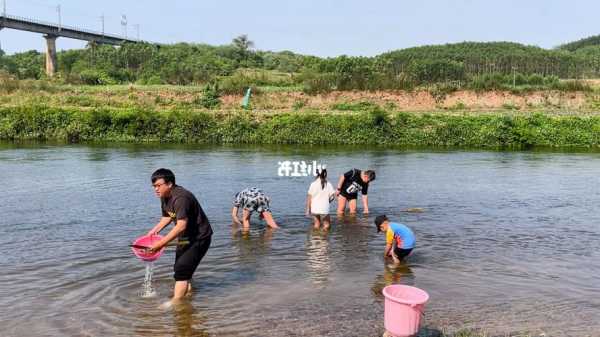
508 241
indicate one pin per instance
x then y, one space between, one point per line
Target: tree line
185 64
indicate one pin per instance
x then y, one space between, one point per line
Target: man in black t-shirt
192 228
349 185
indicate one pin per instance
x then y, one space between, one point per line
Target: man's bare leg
352 204
189 289
179 291
181 288
341 205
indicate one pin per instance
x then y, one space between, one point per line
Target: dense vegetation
372 126
238 65
579 44
48 110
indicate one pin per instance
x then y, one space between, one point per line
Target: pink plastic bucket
404 306
147 241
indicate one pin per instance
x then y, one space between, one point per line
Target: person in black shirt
192 228
349 185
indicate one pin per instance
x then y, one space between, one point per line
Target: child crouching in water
399 239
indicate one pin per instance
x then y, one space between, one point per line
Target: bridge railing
56 26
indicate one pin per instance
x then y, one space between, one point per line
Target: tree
242 43
242 46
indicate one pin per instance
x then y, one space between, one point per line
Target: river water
507 241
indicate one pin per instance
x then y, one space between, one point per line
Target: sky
315 27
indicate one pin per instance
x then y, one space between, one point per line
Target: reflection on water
187 321
392 274
507 241
317 252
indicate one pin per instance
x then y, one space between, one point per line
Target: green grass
376 126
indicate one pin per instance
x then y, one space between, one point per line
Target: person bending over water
349 185
399 239
320 195
192 229
250 200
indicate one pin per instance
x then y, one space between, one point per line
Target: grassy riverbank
428 116
373 125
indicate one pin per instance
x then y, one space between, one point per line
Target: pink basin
147 241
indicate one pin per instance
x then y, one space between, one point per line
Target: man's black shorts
352 196
402 253
188 257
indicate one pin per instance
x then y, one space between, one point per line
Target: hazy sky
317 27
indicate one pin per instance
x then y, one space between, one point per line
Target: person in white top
320 194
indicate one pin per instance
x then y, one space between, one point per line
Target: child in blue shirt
400 240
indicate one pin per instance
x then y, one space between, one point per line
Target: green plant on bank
80 100
95 77
458 106
519 83
8 84
299 104
373 126
510 106
440 91
360 106
237 85
210 97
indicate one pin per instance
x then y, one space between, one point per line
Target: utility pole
124 24
102 18
59 18
137 29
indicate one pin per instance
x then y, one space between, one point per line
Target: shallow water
508 241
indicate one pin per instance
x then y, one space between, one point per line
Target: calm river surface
508 241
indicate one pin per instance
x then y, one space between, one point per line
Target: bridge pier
50 54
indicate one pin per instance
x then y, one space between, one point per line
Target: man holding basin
192 229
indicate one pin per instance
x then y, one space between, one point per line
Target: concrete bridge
52 31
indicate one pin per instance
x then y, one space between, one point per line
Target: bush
151 80
95 77
299 104
211 97
571 85
360 106
318 83
441 90
237 84
551 80
8 83
519 79
535 79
